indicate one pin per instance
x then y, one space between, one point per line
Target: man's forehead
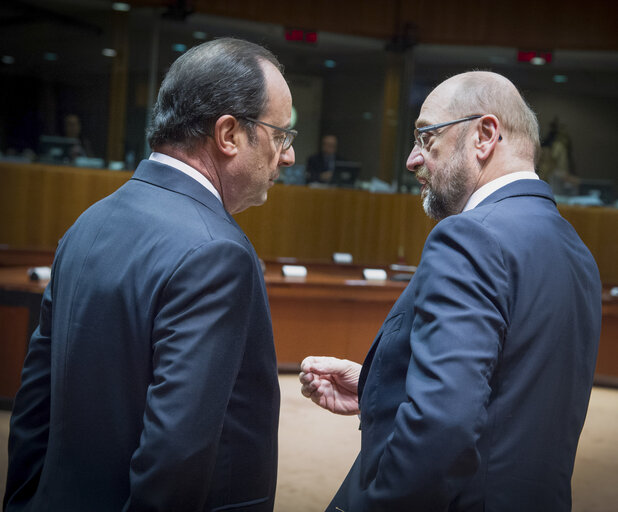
432 111
278 92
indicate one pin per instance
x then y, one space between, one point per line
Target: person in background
151 382
475 390
320 166
73 130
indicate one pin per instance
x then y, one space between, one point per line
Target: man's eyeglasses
421 135
290 135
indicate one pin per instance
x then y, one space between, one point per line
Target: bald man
475 390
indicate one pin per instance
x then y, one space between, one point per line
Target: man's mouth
421 176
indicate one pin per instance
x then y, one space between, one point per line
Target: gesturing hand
331 383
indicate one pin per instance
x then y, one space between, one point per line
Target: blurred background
79 77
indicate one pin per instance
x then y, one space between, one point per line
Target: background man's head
458 159
329 145
72 126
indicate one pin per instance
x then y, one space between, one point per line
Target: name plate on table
374 274
294 271
39 273
342 257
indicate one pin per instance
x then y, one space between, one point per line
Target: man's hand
331 383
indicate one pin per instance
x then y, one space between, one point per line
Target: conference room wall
38 203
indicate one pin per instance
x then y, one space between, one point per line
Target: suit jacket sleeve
460 320
199 336
31 412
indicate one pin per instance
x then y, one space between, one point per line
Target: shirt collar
489 188
186 169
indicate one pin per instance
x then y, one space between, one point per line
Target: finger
309 391
308 362
328 365
310 388
305 378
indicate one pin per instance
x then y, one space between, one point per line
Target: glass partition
79 80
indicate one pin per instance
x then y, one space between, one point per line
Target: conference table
333 310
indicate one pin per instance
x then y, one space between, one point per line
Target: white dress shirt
186 169
489 188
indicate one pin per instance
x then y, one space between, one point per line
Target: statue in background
556 162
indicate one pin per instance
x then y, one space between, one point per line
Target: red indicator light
311 37
297 34
528 56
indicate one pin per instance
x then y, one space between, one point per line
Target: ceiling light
329 63
537 61
50 56
198 34
560 79
109 52
179 47
121 7
8 59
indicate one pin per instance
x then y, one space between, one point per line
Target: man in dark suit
321 166
151 381
474 392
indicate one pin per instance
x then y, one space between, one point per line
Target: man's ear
227 135
488 133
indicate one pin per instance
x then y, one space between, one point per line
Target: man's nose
287 157
415 159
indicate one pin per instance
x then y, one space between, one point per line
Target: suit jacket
475 390
151 382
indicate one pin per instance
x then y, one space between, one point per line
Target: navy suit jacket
151 382
475 390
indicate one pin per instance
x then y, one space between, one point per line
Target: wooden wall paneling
38 203
13 346
607 360
415 225
547 25
598 229
14 204
378 236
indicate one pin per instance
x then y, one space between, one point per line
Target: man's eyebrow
420 122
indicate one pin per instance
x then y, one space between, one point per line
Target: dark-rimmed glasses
421 134
290 135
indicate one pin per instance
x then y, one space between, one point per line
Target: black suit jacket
151 382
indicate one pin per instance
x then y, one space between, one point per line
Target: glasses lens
419 140
287 142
